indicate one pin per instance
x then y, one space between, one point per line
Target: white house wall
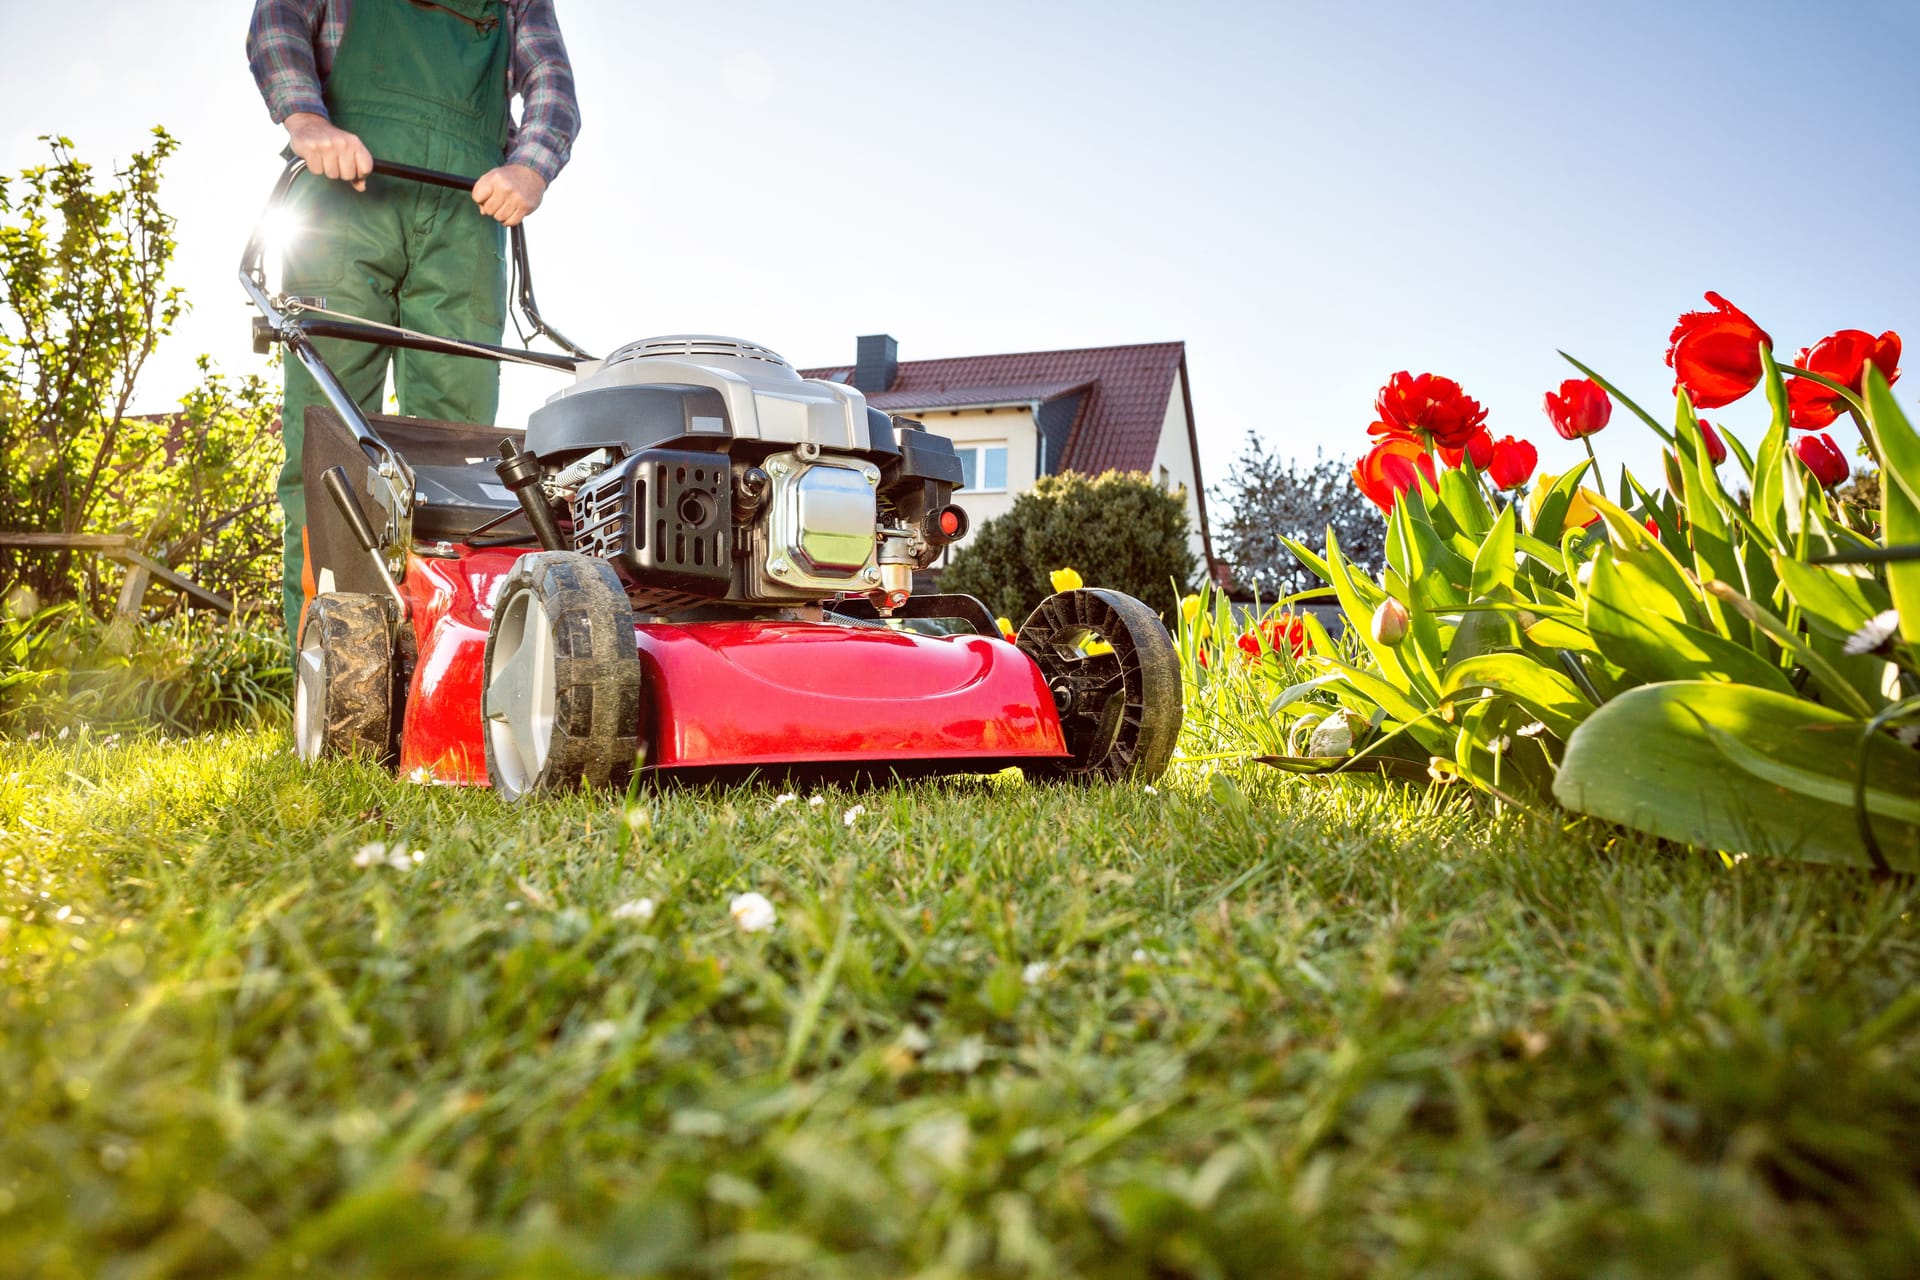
1013 427
1176 455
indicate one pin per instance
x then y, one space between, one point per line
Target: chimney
877 364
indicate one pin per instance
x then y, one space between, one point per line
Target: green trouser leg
397 253
457 288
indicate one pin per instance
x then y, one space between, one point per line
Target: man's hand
328 150
509 193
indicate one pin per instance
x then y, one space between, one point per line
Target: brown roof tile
1118 427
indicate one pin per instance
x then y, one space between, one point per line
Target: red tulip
1828 464
1428 405
1715 354
1579 409
1653 526
1479 447
1716 447
1844 357
1389 468
1286 633
1513 463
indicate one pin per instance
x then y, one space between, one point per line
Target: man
423 83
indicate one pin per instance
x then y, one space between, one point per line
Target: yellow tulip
1189 608
1066 580
1580 512
1006 628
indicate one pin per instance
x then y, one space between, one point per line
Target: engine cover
661 518
818 535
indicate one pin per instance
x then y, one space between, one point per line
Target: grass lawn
1240 1026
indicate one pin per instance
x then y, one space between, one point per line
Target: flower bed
1730 666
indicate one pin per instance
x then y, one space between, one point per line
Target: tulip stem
1866 435
1598 483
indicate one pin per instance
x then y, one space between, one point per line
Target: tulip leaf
1557 633
1899 496
1545 553
1634 545
1770 463
1550 520
1744 769
1637 629
1494 565
1550 697
1834 603
1306 557
1739 451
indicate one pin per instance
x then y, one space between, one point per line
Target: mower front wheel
561 678
1115 679
343 691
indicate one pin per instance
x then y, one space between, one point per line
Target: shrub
1120 530
83 303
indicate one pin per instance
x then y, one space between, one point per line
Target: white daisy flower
1878 630
640 909
854 814
752 912
816 802
1151 790
421 775
369 855
784 799
1036 973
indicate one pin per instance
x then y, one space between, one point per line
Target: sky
1310 196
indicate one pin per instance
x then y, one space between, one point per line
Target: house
1015 418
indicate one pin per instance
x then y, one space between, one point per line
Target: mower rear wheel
560 692
1116 683
343 692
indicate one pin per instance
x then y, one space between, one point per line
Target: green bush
1120 530
61 669
84 302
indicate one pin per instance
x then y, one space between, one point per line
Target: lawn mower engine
698 563
707 470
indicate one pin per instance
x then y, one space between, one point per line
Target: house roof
1119 422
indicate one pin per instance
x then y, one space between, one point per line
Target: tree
1267 497
1119 530
83 303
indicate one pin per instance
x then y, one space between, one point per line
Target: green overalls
421 84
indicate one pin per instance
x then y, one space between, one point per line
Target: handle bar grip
431 177
335 481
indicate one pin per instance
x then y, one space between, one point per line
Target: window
1166 479
983 467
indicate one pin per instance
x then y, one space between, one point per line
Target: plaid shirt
291 45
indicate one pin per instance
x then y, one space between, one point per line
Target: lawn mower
691 562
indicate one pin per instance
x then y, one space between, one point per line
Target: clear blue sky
1311 196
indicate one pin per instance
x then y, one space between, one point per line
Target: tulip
1065 580
1479 447
1715 354
1828 464
1006 627
1579 408
1390 622
1512 463
1580 512
1389 469
1429 407
1716 447
1844 357
1286 631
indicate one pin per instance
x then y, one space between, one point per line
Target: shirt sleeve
542 76
280 41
